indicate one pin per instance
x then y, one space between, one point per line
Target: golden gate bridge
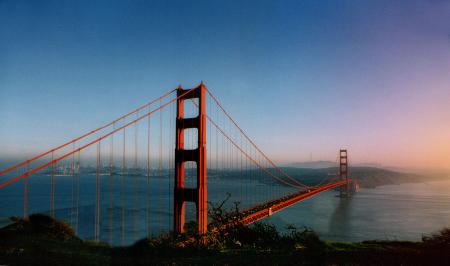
152 169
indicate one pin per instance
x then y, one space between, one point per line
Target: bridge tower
343 172
198 194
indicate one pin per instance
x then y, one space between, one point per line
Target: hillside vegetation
41 240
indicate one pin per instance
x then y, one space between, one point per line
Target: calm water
395 212
403 212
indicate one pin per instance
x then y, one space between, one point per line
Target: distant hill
373 177
366 176
313 164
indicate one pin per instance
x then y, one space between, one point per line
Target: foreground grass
44 241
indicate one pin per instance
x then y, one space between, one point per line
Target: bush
50 227
39 225
442 238
306 237
260 235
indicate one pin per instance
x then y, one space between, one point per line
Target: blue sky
301 77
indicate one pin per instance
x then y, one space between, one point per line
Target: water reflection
340 221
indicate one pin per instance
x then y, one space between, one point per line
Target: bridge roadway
267 209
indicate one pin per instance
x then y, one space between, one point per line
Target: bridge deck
267 209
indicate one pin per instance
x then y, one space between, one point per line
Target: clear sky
302 77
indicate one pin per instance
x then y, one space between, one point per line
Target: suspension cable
10 181
248 156
84 135
254 145
298 184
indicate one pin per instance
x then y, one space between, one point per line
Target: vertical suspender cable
111 187
147 215
72 210
97 194
136 144
25 195
77 194
171 164
135 180
122 192
241 178
52 190
160 164
217 150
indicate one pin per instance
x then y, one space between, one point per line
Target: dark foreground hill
44 241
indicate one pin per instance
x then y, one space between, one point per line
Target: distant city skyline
303 78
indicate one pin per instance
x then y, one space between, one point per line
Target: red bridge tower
181 193
343 172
